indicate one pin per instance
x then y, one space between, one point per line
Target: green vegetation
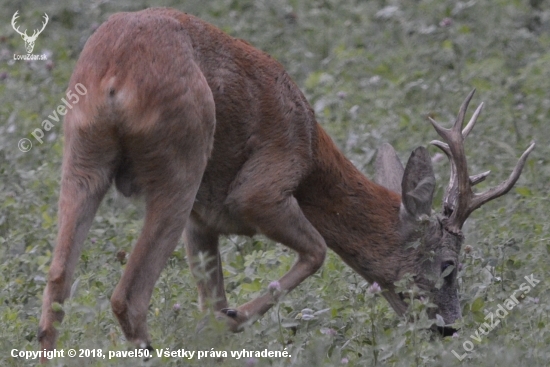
373 70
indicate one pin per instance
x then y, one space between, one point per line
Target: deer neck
357 218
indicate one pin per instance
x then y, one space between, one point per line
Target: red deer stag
219 140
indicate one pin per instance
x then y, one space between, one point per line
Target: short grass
373 71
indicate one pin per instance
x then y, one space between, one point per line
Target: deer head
432 241
29 40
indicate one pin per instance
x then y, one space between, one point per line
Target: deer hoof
231 312
151 350
227 316
234 319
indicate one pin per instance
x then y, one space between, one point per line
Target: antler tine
443 146
448 197
36 32
462 114
475 179
505 186
472 121
448 204
439 129
459 121
13 19
44 22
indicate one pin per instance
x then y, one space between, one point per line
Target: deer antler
15 16
24 34
35 34
459 200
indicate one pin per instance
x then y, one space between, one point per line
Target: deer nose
446 330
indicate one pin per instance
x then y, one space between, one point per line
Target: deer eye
447 268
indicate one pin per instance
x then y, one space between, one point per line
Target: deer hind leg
204 260
167 210
276 213
89 162
168 205
168 163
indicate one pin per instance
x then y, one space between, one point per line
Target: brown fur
219 140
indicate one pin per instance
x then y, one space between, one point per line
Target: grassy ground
373 70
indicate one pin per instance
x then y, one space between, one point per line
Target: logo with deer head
29 40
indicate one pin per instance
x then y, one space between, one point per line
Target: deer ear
418 184
389 170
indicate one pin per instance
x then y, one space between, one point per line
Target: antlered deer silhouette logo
29 40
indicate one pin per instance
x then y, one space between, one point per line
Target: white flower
374 288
